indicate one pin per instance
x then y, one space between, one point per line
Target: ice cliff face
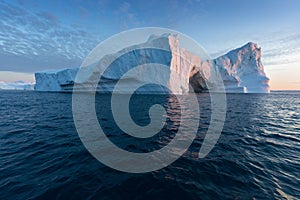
55 81
241 70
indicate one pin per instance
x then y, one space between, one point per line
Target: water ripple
256 157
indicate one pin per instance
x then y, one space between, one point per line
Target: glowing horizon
276 83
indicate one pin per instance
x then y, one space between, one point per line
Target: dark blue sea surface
257 155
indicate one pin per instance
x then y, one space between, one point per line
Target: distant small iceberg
17 85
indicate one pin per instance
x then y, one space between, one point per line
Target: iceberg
17 85
245 66
241 70
55 81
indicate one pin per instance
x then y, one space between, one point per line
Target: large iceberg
241 70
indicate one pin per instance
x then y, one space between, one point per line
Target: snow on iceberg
241 70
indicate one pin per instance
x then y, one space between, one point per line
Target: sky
55 34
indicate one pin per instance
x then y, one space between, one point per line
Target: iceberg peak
245 63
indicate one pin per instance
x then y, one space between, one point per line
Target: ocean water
257 155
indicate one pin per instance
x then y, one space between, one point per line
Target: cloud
31 41
283 49
83 11
127 17
11 10
124 7
49 17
